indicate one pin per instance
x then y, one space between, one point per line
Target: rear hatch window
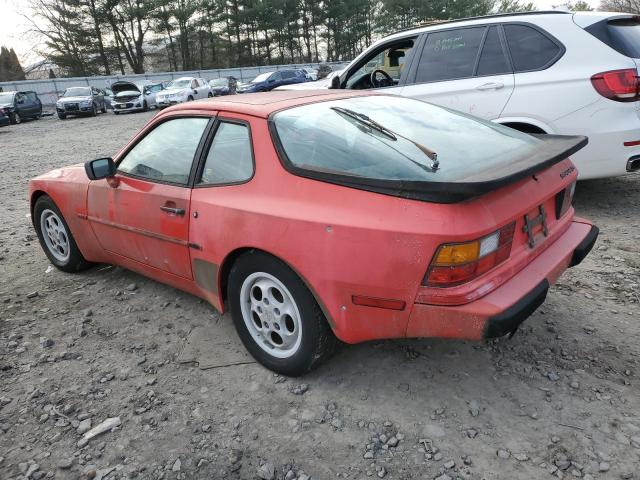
409 148
623 35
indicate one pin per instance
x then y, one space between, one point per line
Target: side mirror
100 168
335 82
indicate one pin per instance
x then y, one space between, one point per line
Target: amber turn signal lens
456 254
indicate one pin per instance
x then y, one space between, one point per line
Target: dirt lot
561 399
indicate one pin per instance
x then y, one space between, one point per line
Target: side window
230 157
166 153
194 84
530 49
32 96
391 60
276 76
492 59
450 54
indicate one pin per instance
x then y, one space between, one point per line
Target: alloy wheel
55 235
271 315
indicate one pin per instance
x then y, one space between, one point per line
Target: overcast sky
14 30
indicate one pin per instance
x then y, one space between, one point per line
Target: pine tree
10 68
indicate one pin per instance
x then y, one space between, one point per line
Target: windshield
263 77
184 83
77 92
218 82
401 139
6 97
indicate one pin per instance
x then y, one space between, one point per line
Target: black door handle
174 210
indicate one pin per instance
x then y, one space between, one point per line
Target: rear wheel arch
230 259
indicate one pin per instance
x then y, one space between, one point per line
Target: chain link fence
49 89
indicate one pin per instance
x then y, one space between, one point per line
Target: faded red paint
341 241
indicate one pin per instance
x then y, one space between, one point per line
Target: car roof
264 103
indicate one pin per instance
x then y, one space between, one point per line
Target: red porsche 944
314 217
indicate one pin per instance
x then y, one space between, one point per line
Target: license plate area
535 226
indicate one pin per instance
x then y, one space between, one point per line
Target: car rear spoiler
551 150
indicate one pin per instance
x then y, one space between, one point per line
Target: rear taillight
456 263
564 199
618 85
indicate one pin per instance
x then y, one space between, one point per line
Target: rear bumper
505 308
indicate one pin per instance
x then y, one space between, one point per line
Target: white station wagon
538 72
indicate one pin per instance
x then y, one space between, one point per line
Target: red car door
143 212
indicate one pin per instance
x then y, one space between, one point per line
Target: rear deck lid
409 148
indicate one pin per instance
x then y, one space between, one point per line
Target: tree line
92 37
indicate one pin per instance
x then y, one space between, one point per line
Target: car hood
122 86
74 99
246 86
6 105
171 91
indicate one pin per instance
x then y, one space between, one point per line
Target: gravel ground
561 399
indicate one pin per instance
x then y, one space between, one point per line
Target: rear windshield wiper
366 120
371 123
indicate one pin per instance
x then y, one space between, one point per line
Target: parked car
134 97
223 86
318 84
281 216
183 89
324 69
21 105
4 118
108 98
538 72
270 80
81 101
310 74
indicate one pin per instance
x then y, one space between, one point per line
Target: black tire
94 112
62 116
75 262
317 343
116 113
14 118
210 95
189 98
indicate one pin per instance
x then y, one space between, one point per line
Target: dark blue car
4 118
21 105
270 80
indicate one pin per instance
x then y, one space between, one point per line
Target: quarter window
492 59
530 49
230 158
450 54
166 153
